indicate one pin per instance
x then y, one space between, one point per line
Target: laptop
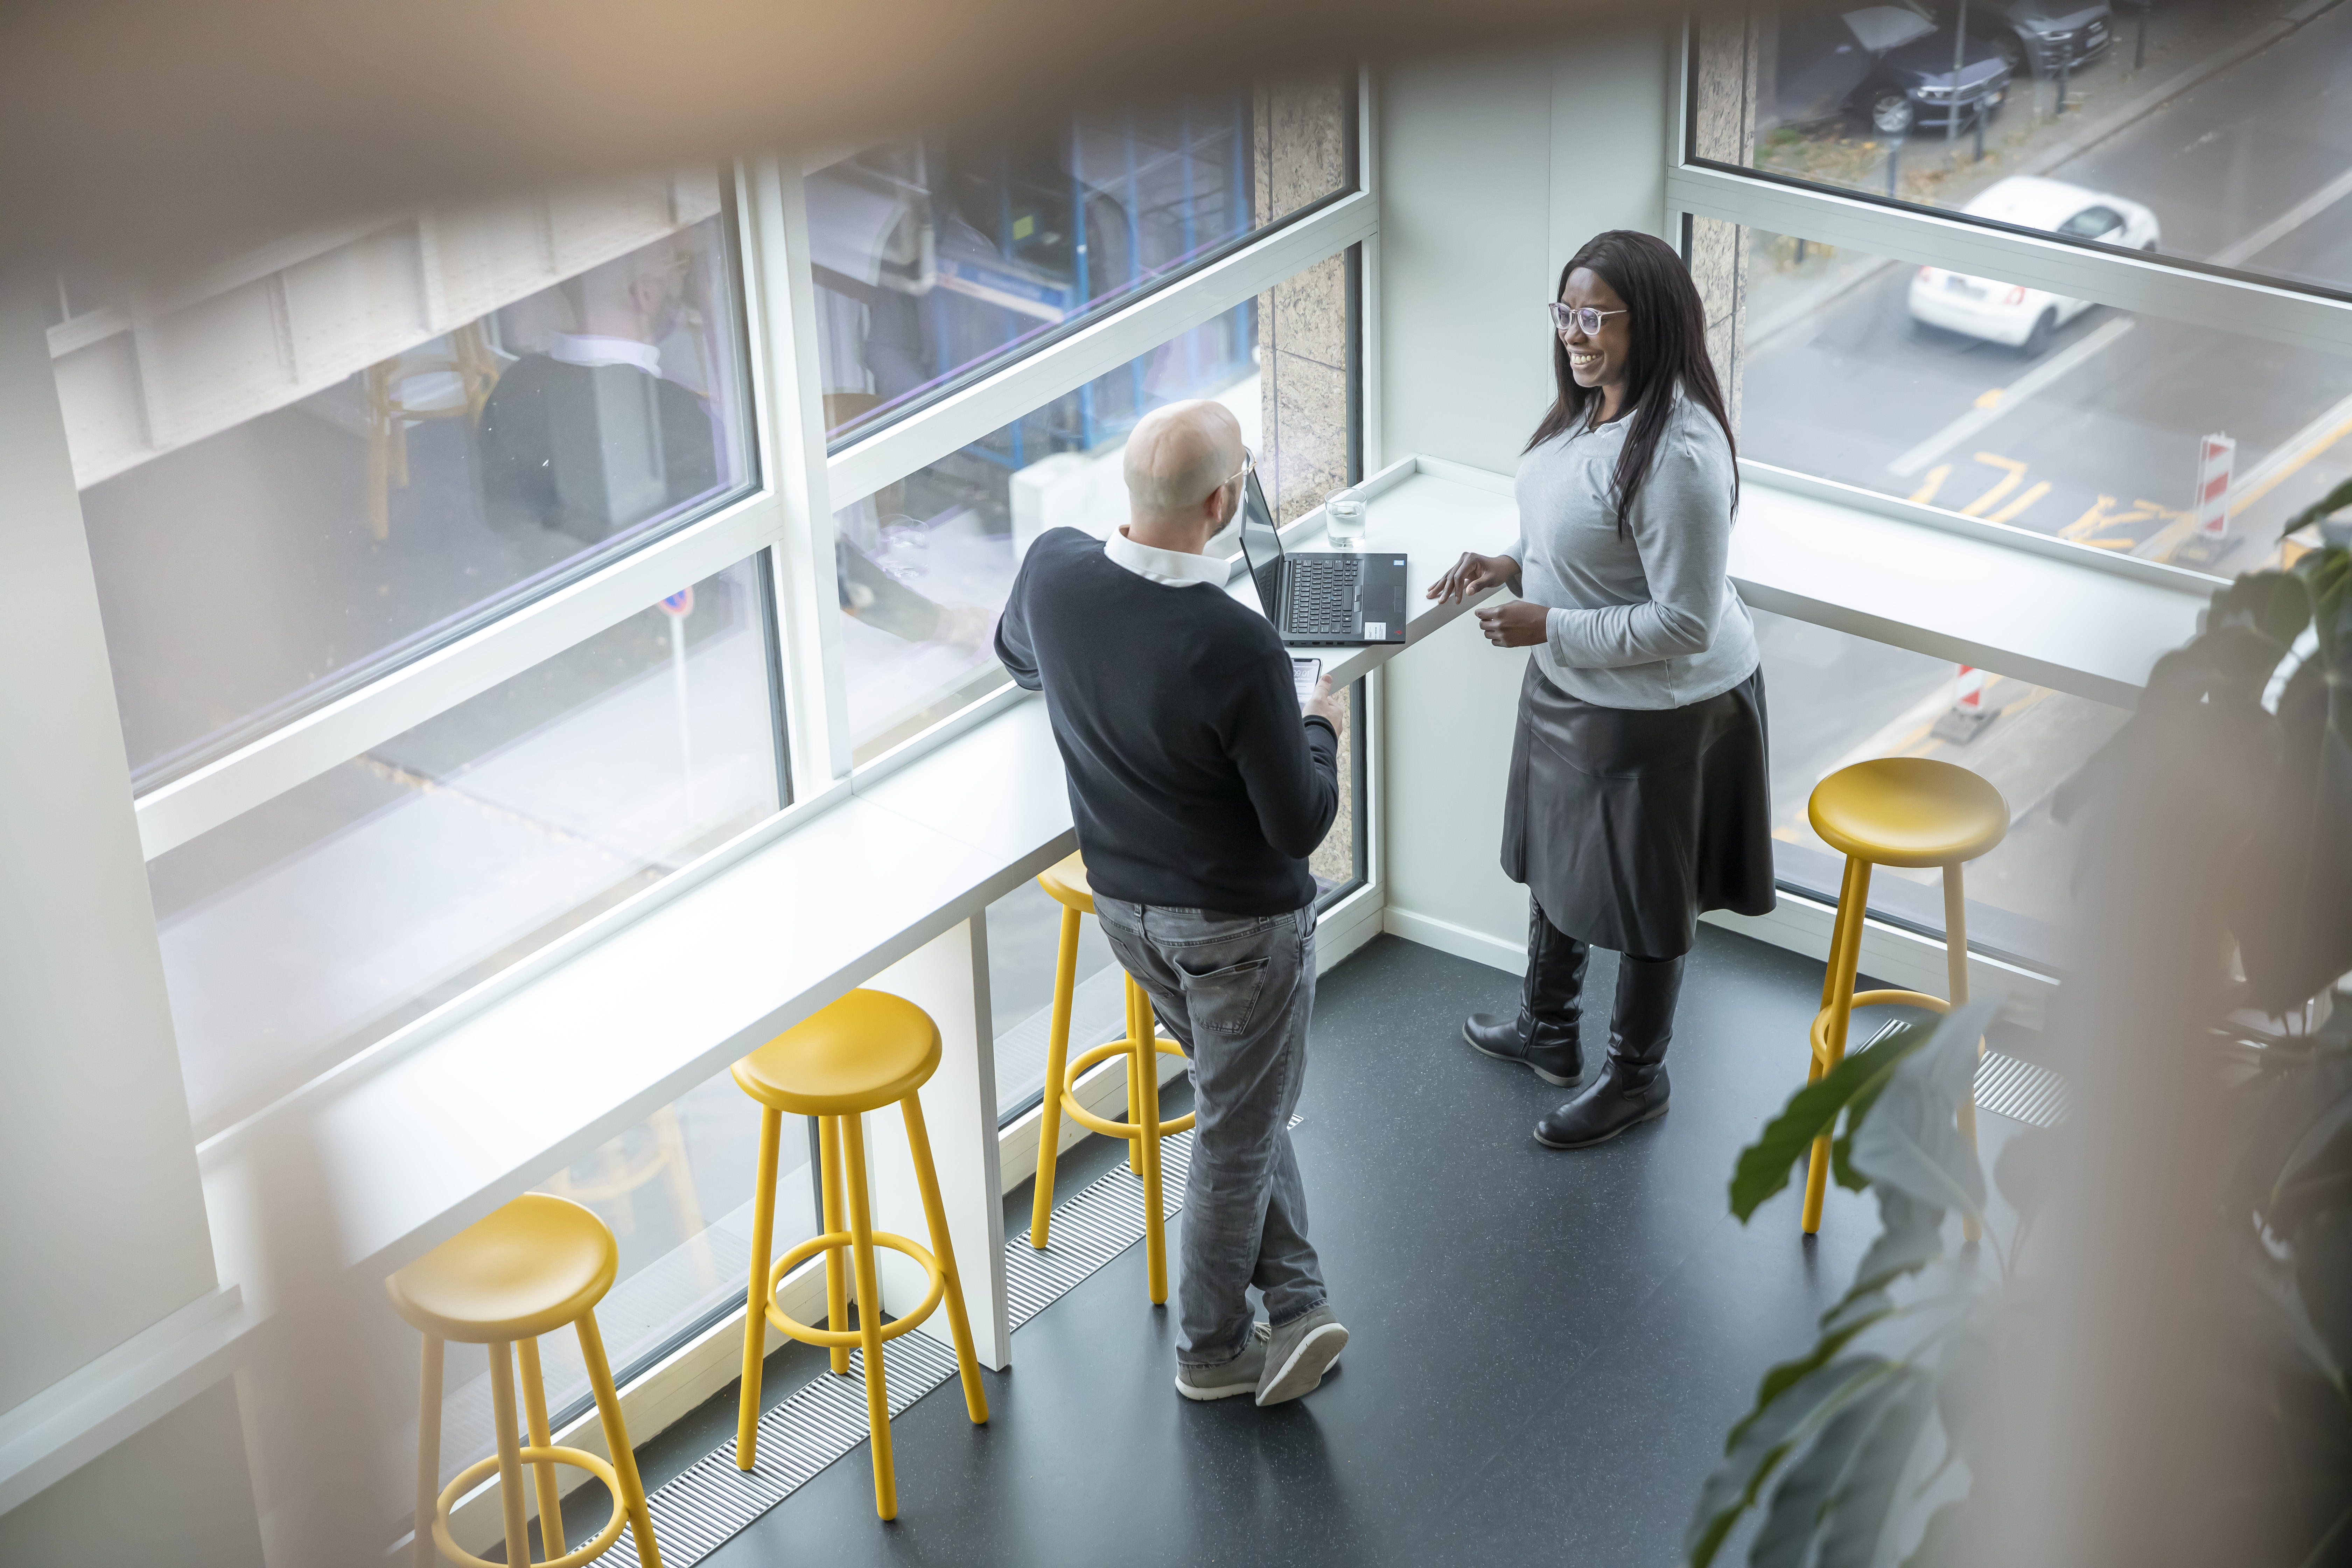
1322 598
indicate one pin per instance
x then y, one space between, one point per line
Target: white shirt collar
1169 568
583 348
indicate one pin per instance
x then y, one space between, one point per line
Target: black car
2039 36
1890 64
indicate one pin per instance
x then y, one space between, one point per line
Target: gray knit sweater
1648 620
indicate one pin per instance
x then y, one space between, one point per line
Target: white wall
1493 169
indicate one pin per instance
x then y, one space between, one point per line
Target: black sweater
1194 783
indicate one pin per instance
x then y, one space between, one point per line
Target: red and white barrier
2216 456
1967 714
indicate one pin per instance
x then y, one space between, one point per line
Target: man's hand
966 625
1516 625
1473 574
1325 705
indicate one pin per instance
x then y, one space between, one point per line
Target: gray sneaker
1298 1353
1240 1375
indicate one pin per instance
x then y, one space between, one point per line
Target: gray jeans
1236 991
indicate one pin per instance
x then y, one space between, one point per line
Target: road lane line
2013 471
2293 453
2024 388
2011 512
2287 222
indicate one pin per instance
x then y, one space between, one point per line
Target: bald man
1200 788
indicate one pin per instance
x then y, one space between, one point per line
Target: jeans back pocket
1225 1000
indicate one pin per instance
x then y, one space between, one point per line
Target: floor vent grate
2009 1086
711 1501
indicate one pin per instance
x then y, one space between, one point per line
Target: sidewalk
2185 47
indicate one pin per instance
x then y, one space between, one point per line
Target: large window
2000 375
325 464
938 257
2242 154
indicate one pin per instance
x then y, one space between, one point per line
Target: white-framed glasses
1249 465
1581 318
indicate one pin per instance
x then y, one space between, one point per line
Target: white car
2009 312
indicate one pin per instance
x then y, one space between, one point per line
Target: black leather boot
1544 1038
1632 1085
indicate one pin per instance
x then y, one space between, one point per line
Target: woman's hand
1473 574
1516 625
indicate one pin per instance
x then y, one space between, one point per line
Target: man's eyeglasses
1249 464
1581 318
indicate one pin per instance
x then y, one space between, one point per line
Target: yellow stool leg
1837 993
428 1454
551 1496
616 1438
1057 1057
1138 1010
927 1181
1143 1072
836 1269
755 1316
503 1406
1956 971
869 1317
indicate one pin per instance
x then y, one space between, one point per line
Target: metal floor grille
2021 1091
711 1501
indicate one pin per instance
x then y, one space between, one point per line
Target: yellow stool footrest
1088 1119
579 1458
1871 999
850 1339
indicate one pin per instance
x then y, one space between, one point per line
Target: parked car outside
2038 36
2011 313
1892 65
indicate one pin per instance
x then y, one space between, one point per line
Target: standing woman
1638 794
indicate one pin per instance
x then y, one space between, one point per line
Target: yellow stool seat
532 1267
535 1265
1913 812
867 1050
1066 883
1908 811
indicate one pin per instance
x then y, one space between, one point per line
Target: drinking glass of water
1343 516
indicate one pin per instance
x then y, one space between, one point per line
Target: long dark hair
1668 326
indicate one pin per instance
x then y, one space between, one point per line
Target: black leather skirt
1626 824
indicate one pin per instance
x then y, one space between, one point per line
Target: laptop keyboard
1323 595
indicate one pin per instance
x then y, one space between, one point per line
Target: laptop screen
1262 548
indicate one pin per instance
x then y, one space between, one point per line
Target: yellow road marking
1990 397
2090 522
1935 477
2033 493
2008 481
2256 492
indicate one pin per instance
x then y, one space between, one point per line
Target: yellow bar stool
1895 811
1066 882
537 1264
867 1050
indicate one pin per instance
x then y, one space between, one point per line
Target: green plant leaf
1910 1138
1861 1509
2334 501
2024 1168
1765 1166
1760 1443
1794 1523
1911 1237
1939 1544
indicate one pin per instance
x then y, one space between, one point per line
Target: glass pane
676 1190
2204 131
344 908
939 256
1838 699
2022 407
293 482
924 564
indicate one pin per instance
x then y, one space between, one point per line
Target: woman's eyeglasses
1580 317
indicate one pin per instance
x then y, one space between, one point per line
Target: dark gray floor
1546 1348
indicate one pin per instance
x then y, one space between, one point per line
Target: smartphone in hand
1304 674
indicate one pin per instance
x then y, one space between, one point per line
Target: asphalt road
2094 439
